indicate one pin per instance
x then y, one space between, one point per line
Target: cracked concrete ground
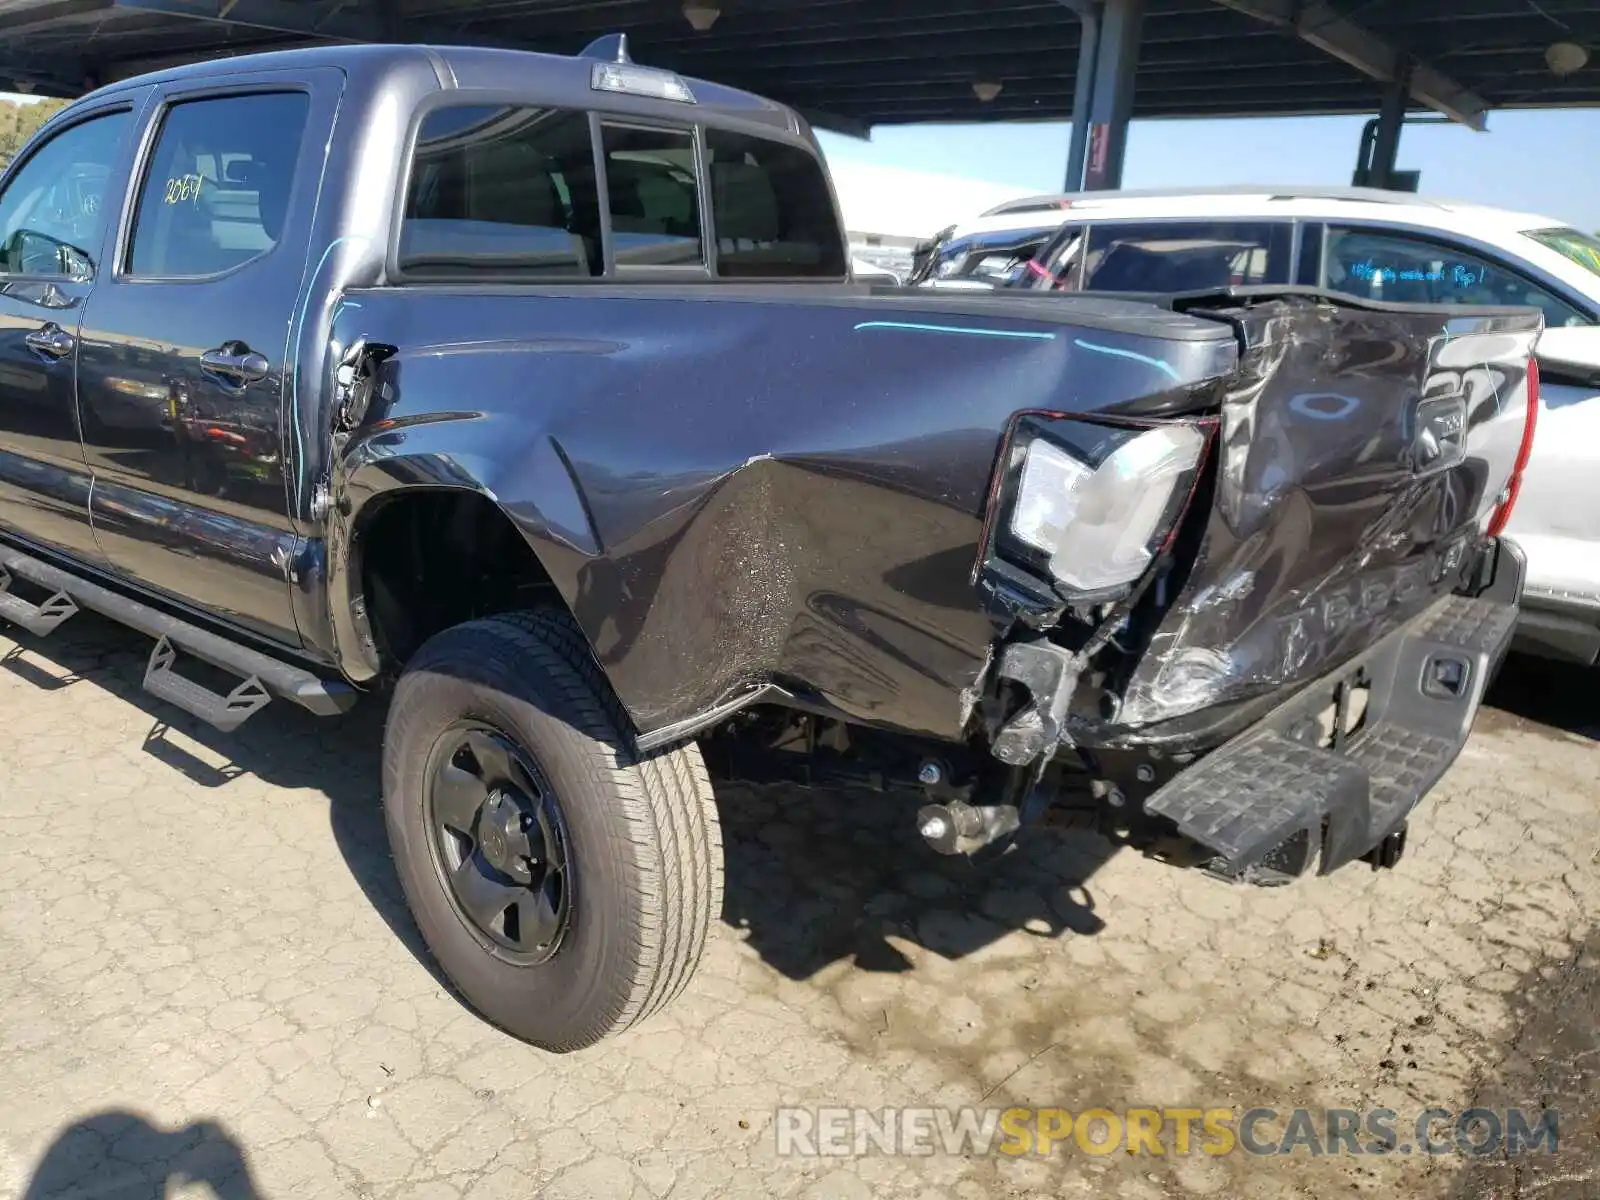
206 975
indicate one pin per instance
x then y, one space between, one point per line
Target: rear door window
1185 256
1378 264
502 190
996 258
653 197
1058 267
771 209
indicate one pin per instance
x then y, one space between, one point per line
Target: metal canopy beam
334 22
20 20
55 76
1320 25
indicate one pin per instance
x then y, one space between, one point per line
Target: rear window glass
1184 256
504 190
1579 247
655 205
771 209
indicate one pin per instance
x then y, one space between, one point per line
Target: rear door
184 348
52 227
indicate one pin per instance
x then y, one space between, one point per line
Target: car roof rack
1061 200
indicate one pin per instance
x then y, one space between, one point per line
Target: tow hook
1387 853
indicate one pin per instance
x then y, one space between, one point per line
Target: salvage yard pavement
207 975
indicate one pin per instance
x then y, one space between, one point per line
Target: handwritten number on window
184 189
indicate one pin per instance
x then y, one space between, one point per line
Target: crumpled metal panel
1332 525
730 489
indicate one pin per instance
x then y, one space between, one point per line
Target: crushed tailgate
1364 448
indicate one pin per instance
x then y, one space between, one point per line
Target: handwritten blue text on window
1455 274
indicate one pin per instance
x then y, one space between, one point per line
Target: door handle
50 340
235 364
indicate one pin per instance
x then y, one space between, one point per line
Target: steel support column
1111 97
1391 119
1082 88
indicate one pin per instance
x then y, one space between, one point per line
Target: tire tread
664 798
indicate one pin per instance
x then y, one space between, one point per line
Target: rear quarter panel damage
732 493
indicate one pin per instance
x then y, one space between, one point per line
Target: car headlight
1097 514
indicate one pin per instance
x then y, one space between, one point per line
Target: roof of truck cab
565 79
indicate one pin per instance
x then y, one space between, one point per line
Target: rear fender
525 475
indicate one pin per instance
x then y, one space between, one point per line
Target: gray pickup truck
535 394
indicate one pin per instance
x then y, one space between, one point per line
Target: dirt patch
1552 1064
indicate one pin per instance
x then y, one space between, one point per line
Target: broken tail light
1089 506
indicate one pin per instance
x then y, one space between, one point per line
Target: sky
1535 161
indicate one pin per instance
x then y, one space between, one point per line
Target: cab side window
216 190
1378 265
53 211
506 190
772 210
655 202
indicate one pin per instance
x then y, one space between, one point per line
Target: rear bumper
1286 787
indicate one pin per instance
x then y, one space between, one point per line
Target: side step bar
262 675
37 619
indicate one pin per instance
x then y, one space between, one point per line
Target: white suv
1375 244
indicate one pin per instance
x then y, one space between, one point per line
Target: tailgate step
38 619
1401 763
1256 792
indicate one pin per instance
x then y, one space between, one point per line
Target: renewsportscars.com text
840 1132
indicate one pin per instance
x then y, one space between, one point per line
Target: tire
642 881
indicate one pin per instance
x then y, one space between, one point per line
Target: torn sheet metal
1362 452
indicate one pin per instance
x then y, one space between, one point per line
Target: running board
225 712
38 619
263 676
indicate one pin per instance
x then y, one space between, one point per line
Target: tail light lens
1093 505
1502 512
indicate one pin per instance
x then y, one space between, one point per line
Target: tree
19 122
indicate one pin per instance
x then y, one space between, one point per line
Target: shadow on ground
119 1155
1529 692
813 876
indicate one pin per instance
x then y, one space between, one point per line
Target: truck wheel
565 882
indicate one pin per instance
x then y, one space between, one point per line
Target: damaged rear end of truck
1252 636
